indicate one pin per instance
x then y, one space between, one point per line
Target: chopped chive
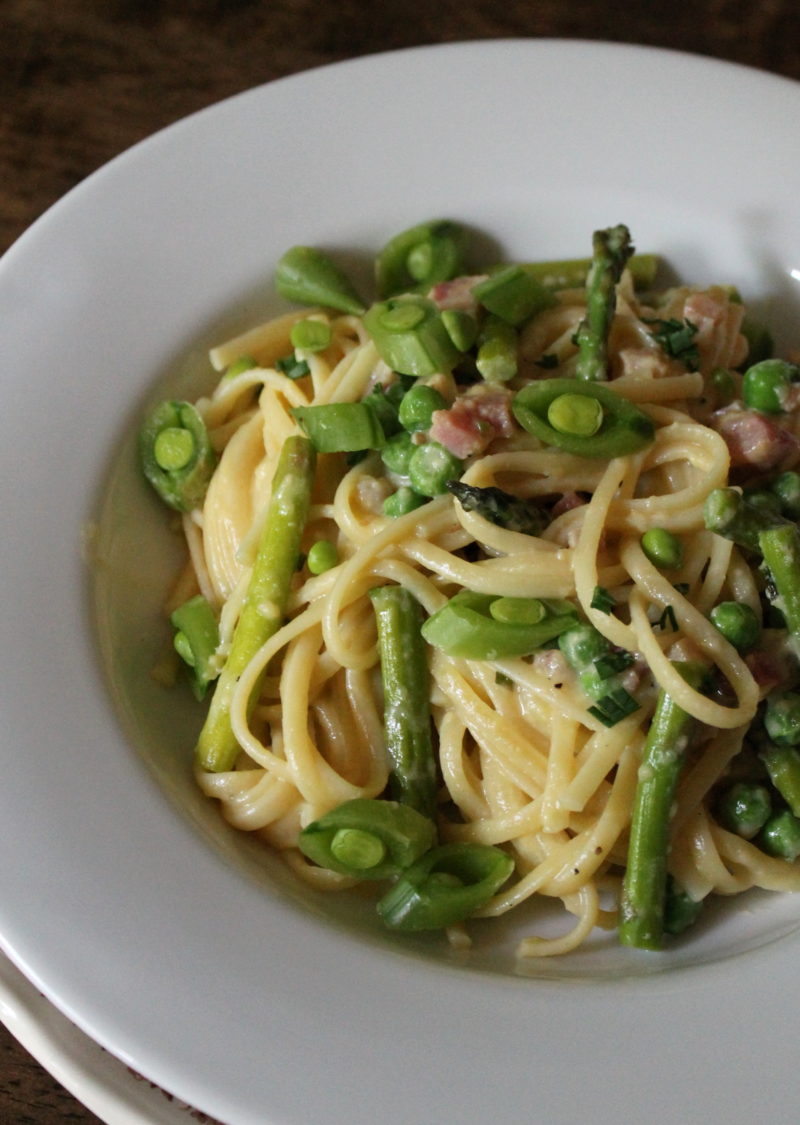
602 600
613 662
614 707
668 618
292 367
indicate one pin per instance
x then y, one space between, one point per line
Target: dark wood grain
82 80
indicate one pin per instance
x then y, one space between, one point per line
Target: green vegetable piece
680 910
406 695
292 367
403 501
418 405
726 512
311 335
266 597
780 547
625 429
765 384
513 294
385 404
783 767
447 885
677 339
465 628
176 455
571 273
397 453
611 250
782 718
518 611
599 667
239 366
500 507
196 641
419 257
780 836
410 336
431 467
760 344
662 548
322 556
738 623
579 415
786 487
309 277
645 881
372 839
341 427
496 357
462 328
744 808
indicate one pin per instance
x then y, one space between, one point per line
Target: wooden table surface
82 80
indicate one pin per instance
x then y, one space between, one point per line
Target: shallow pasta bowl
182 948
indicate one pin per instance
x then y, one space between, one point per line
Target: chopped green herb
616 661
602 600
614 707
668 619
292 367
676 337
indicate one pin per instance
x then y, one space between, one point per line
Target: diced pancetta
456 294
472 422
755 439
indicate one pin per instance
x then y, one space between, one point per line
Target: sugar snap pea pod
371 839
337 427
611 250
196 641
644 884
623 428
500 507
728 513
465 628
176 455
513 294
780 547
419 257
447 885
309 277
496 357
406 697
267 593
410 336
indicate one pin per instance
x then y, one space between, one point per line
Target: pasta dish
492 588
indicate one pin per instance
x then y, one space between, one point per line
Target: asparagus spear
407 715
644 886
265 601
500 507
611 250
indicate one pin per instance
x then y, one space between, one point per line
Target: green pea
738 624
744 808
397 453
786 487
765 384
662 548
780 836
723 385
518 611
173 448
322 556
431 467
311 335
356 848
575 414
402 502
782 718
418 405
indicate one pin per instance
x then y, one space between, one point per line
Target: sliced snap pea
624 428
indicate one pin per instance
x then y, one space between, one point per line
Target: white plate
182 950
111 1090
